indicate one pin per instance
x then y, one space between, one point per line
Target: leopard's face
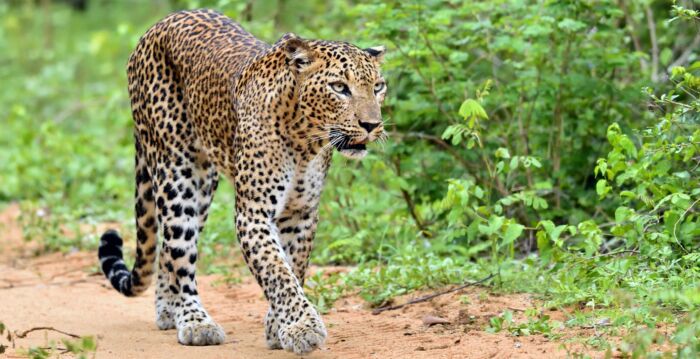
341 90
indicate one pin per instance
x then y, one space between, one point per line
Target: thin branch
277 19
558 118
439 142
654 44
13 286
247 13
440 59
633 34
523 133
683 58
456 155
417 67
615 254
24 333
431 296
497 184
410 204
675 225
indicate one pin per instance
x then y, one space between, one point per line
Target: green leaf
512 233
514 162
602 188
622 214
628 146
571 25
539 203
494 224
502 152
682 174
628 194
665 56
89 343
472 109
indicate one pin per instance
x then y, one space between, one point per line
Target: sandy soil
65 291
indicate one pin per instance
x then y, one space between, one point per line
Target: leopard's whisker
322 150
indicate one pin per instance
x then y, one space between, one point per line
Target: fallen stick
24 333
431 296
59 350
23 285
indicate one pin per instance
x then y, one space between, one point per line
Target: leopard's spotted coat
208 98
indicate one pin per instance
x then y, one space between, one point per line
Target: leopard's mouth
343 143
353 147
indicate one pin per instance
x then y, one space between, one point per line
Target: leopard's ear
297 50
377 52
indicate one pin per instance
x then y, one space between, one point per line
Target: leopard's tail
134 282
112 262
129 283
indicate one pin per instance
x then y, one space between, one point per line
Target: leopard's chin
352 151
353 154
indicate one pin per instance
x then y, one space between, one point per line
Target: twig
439 142
675 225
594 326
654 44
24 333
454 153
13 286
523 137
67 272
440 59
558 119
60 350
681 60
428 84
617 253
633 34
409 202
517 309
431 296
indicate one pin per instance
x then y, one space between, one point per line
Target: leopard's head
340 89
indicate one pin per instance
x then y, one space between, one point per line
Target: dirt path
65 292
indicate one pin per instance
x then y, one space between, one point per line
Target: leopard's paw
303 336
165 320
272 331
200 333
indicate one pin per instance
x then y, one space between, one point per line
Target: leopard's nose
369 126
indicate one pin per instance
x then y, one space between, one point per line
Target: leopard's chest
307 184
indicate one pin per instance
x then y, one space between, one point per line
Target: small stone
431 320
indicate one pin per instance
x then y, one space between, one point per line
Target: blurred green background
554 143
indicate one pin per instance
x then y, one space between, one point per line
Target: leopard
209 99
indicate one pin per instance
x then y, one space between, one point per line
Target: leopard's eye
340 88
379 87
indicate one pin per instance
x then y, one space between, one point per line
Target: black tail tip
111 238
110 245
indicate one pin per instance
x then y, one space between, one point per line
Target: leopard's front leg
298 324
296 228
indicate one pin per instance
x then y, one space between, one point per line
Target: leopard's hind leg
183 183
183 197
166 300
